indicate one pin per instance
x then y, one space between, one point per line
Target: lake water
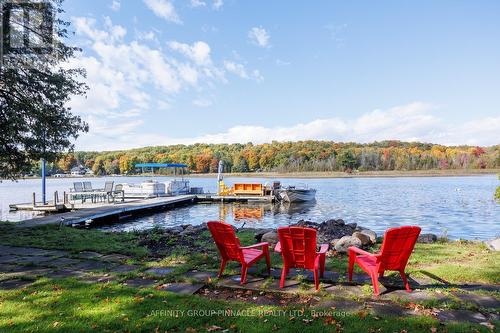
460 207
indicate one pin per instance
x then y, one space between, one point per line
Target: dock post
43 182
65 198
34 199
56 198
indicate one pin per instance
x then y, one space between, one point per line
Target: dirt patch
187 239
257 297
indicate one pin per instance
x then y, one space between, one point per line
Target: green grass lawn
67 305
70 306
71 239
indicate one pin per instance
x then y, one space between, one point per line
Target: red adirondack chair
393 256
230 249
298 249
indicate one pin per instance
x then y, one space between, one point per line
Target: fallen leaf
213 328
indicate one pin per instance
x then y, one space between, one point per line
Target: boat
146 189
178 187
296 194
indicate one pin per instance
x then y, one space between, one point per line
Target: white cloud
163 9
257 76
411 122
199 52
259 36
237 69
240 70
198 3
124 76
280 62
337 32
217 4
115 5
202 102
146 35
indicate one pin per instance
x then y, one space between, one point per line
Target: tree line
302 156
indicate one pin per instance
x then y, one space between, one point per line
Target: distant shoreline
334 174
364 174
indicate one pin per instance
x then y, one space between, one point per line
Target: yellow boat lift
238 188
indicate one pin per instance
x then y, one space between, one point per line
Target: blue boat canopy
160 165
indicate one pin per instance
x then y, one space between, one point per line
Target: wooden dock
212 197
115 210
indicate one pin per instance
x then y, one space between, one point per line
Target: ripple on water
462 207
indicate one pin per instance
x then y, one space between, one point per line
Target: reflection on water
257 215
463 207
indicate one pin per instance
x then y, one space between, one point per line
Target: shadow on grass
70 306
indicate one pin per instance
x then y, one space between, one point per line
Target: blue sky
165 72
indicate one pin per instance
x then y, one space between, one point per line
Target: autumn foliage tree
301 156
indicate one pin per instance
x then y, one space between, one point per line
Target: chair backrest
298 246
225 239
87 186
397 247
78 186
119 187
108 186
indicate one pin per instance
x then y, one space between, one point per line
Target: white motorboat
178 187
297 194
146 189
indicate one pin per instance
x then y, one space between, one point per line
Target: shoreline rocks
493 244
336 232
427 238
343 244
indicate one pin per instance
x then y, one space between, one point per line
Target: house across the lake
80 170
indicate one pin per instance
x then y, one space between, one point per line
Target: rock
343 244
176 230
270 237
334 242
427 238
339 222
364 238
369 233
307 224
352 225
261 232
493 244
329 230
189 230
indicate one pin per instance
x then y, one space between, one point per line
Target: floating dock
211 197
117 210
80 213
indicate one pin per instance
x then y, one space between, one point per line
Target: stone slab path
20 266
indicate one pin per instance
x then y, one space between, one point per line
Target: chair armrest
263 244
322 249
359 251
277 248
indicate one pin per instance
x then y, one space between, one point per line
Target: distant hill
301 156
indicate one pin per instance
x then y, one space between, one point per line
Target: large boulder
194 229
369 233
493 244
270 237
343 244
330 229
364 238
259 233
334 242
427 238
